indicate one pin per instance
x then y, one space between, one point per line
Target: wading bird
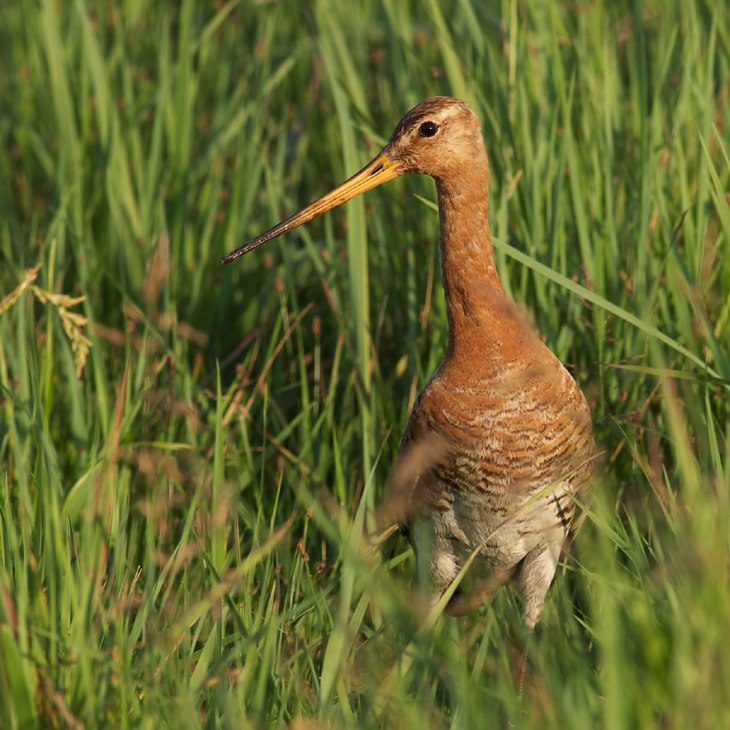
499 440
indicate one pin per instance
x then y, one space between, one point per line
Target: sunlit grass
185 521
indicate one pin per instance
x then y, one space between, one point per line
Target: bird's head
438 137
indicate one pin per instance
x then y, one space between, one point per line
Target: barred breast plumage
493 458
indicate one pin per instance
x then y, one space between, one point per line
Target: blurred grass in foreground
181 525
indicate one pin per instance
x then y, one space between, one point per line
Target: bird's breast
500 437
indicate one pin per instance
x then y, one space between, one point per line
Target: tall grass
182 507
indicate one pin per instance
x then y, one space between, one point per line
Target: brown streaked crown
456 141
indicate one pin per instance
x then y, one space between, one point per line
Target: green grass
181 523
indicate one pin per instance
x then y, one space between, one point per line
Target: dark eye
428 129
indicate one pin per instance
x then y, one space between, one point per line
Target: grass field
191 454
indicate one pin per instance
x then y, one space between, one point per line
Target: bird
499 443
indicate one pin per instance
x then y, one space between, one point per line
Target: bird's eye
428 129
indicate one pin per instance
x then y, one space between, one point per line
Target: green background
187 474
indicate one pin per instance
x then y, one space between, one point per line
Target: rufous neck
474 294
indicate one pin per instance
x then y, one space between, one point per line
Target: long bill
375 173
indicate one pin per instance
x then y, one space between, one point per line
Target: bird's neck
475 298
